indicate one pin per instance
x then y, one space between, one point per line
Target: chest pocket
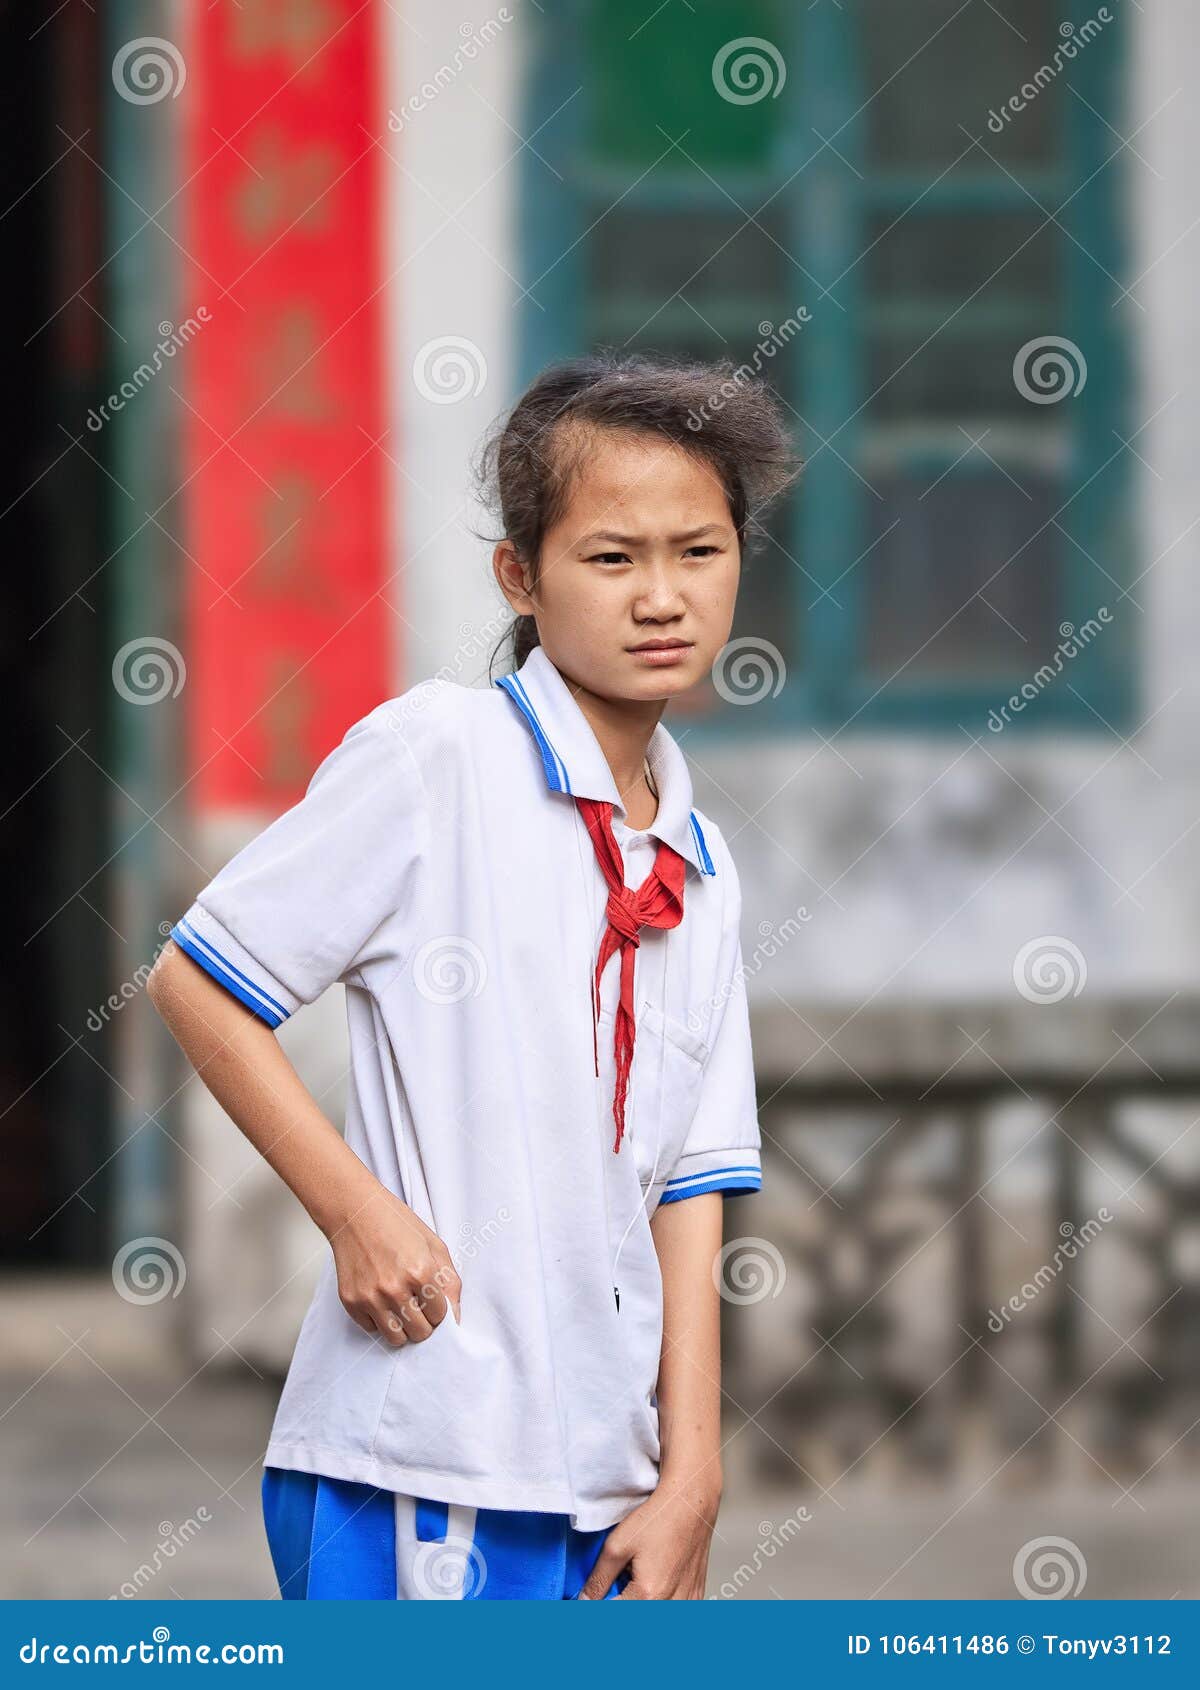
664 1089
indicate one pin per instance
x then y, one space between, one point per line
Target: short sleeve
302 904
722 1148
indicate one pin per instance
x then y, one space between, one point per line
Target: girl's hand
667 1539
395 1276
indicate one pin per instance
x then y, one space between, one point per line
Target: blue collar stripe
707 860
556 770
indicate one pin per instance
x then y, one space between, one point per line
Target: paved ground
116 1461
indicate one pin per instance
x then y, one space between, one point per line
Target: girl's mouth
661 656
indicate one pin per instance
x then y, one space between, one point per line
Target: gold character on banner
288 376
286 187
298 28
286 567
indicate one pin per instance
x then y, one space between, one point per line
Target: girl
552 1089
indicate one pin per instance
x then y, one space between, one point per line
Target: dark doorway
55 1109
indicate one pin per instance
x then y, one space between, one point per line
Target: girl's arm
395 1275
667 1537
687 1236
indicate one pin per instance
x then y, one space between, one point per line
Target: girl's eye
623 557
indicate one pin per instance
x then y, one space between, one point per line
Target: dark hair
725 415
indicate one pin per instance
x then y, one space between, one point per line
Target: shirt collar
574 762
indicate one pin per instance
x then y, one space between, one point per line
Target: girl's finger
416 1327
431 1303
391 1328
607 1565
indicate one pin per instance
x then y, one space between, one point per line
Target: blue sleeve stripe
718 1182
707 1173
225 974
185 928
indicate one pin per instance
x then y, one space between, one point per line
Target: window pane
933 68
996 255
953 299
947 593
945 379
708 254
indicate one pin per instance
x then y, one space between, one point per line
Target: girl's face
645 555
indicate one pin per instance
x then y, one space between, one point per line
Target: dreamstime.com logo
157 1650
448 369
148 70
773 338
749 69
474 641
1048 969
116 1001
172 338
1072 641
1070 42
772 939
449 1569
748 1270
771 1539
472 40
148 1269
1049 369
171 1539
449 968
127 991
1074 1241
148 669
749 669
471 1240
1048 1569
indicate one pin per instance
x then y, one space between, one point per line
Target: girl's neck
623 730
641 805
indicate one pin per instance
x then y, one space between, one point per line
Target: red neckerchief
657 902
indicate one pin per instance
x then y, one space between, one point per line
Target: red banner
285 478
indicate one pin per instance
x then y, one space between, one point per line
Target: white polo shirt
438 867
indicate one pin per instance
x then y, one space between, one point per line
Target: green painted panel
652 72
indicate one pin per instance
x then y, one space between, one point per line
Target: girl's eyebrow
638 540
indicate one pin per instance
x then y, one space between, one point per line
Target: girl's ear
514 577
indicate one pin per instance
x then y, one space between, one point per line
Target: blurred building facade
953 749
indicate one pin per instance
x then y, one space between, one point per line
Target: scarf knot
657 902
622 912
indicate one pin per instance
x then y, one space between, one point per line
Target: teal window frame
827 208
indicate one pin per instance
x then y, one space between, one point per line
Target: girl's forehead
647 476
